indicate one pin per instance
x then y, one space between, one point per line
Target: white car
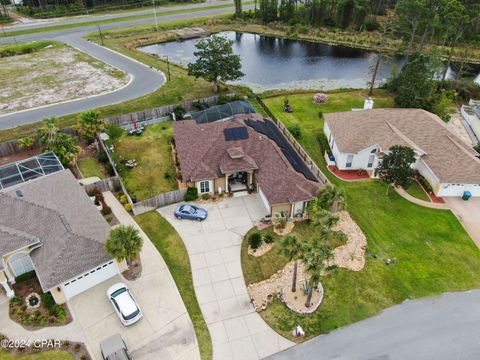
124 304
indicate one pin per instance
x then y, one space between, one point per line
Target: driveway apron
237 330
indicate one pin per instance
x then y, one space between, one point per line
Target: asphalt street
144 79
440 328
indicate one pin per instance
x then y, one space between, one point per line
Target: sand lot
51 75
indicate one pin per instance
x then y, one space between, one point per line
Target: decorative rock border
30 296
306 311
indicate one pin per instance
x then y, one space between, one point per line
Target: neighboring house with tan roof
358 139
50 226
244 153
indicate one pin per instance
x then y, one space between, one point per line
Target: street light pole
155 14
168 68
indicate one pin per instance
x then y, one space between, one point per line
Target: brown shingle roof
450 159
55 210
203 153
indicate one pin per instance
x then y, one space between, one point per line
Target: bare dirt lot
54 74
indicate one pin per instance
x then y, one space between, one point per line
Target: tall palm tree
292 248
313 257
124 243
331 198
323 218
49 132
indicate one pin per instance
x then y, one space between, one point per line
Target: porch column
249 179
7 289
226 183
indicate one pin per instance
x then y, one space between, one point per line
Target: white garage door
90 279
264 200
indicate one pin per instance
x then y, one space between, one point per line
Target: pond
277 63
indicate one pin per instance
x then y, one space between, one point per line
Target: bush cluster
191 194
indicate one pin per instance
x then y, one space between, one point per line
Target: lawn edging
173 250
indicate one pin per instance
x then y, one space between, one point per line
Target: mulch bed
349 174
77 349
134 271
19 156
25 288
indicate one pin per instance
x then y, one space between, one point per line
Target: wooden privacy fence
110 184
159 200
150 114
296 145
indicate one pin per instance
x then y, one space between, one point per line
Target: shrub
47 300
282 223
26 143
295 130
426 185
179 112
113 131
200 105
323 143
320 114
206 196
320 98
477 148
102 157
255 240
128 207
371 24
106 210
59 312
77 347
268 239
191 194
123 199
16 301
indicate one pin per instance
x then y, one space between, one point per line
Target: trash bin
466 195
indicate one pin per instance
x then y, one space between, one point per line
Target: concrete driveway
237 331
165 331
468 212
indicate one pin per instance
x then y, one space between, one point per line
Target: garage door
90 279
264 200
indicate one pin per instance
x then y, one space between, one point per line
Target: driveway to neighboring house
468 212
213 245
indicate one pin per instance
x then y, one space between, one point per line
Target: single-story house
49 225
245 152
358 140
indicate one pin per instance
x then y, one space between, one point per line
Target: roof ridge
463 149
404 137
15 232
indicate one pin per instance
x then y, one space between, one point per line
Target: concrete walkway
446 327
237 331
420 202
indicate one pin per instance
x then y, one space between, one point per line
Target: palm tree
26 143
313 257
49 132
90 124
124 243
331 198
323 218
292 248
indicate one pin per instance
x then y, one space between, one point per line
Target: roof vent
19 193
235 153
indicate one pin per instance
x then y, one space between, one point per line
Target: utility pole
100 32
168 68
155 15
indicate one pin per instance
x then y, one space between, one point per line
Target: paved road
445 327
144 79
45 23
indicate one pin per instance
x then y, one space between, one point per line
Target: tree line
417 21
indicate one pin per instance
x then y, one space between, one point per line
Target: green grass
26 47
173 251
256 269
155 172
434 253
46 355
417 191
91 167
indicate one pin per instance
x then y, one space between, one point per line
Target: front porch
240 181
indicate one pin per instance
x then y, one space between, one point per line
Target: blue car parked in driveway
190 212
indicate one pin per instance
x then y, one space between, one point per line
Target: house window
204 186
349 161
370 161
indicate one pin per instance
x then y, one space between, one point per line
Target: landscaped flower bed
33 309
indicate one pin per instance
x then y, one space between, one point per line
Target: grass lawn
173 251
256 269
46 355
91 167
417 191
155 172
434 253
